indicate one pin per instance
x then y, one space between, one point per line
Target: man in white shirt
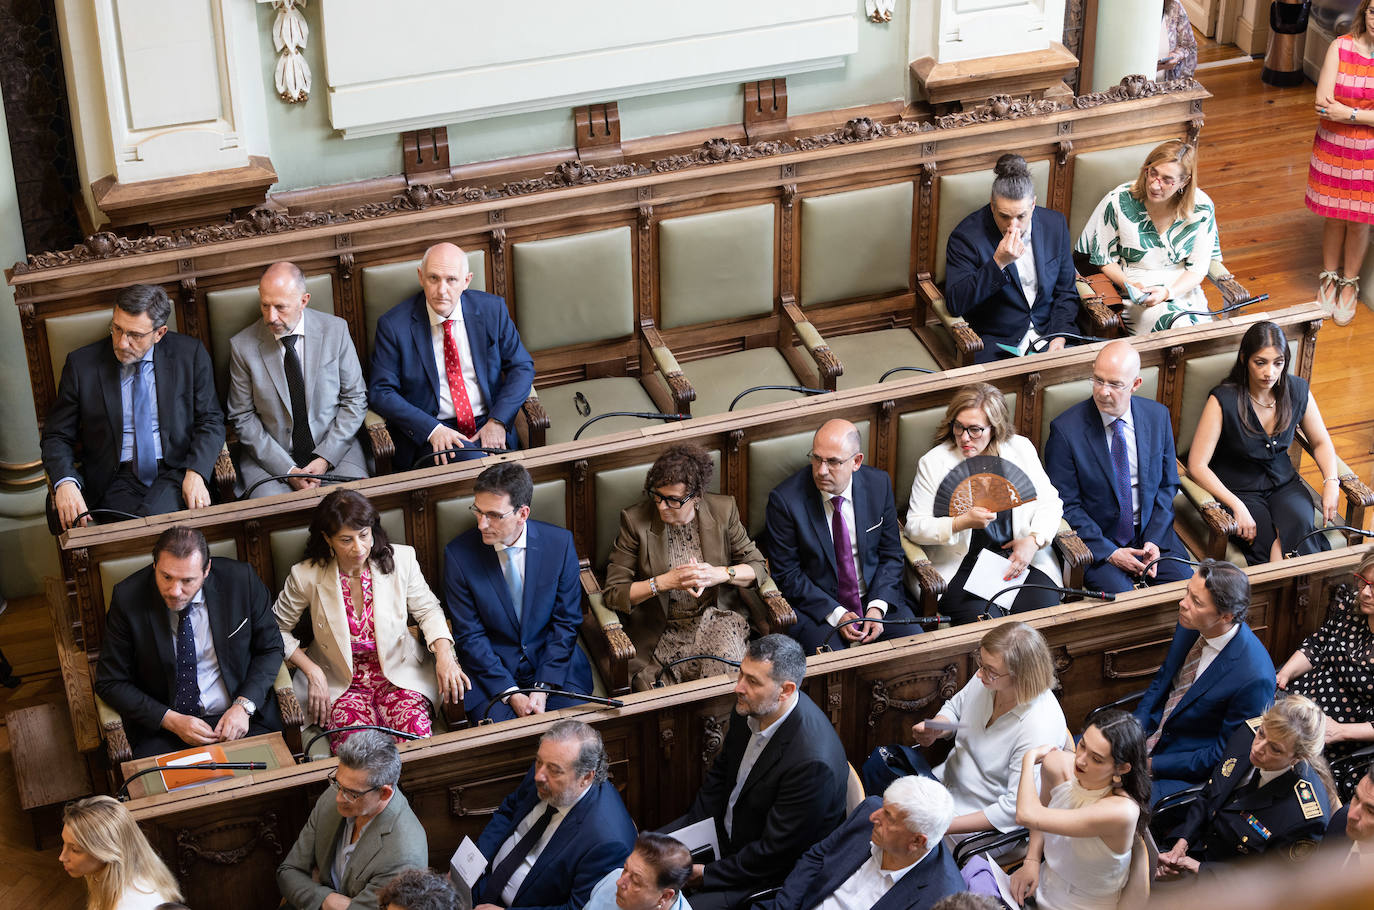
1217 675
888 855
561 830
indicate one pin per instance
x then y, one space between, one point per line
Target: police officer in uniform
1269 794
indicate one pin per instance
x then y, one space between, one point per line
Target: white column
953 30
1127 40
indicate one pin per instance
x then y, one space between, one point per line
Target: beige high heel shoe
1347 299
1326 290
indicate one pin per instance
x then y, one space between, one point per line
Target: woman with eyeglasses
675 568
1240 451
364 666
982 488
1334 667
1155 238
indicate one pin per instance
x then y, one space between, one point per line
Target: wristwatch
246 705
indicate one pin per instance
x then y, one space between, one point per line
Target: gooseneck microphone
1304 538
658 677
305 754
1044 340
783 388
644 415
322 478
918 621
883 378
458 450
1001 611
123 793
1239 304
530 690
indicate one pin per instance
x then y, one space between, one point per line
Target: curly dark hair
418 889
347 509
685 463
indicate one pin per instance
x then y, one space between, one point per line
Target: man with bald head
833 547
296 392
448 367
1113 461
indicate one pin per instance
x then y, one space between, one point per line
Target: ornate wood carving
423 531
193 845
584 522
1308 352
946 683
37 353
92 616
834 700
788 281
733 466
498 260
712 737
1029 403
256 551
190 315
1132 87
1063 660
666 736
645 260
1173 384
1073 38
925 256
1062 178
1195 129
348 305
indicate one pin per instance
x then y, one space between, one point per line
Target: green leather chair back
454 516
715 266
384 286
1097 173
574 289
287 545
67 333
771 461
961 194
1059 397
915 437
232 310
616 489
856 243
113 571
1200 376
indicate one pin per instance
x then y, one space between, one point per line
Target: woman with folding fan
981 488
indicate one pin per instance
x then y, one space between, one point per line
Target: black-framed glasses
1109 384
672 502
991 674
974 432
350 795
116 332
491 516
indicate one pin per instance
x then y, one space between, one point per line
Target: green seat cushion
611 393
384 286
963 194
616 489
867 355
76 330
113 571
232 310
771 461
855 244
574 289
1061 396
287 545
1097 173
454 516
716 266
719 379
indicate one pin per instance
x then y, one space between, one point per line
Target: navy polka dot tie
187 697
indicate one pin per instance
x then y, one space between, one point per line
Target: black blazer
137 671
794 796
88 413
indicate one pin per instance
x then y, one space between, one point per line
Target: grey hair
1012 180
925 805
591 757
374 752
783 653
138 299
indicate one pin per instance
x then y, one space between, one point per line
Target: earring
1116 779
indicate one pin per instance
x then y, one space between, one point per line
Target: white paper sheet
989 577
1003 881
467 863
699 834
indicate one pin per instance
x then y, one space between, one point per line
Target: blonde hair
104 829
1366 564
1297 722
1175 151
990 401
1027 655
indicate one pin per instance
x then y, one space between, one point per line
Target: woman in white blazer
976 443
364 666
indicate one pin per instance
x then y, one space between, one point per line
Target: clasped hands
492 435
233 724
1176 861
692 577
861 629
1132 560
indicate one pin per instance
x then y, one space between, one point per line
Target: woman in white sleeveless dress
1083 824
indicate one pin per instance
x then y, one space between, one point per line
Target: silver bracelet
653 585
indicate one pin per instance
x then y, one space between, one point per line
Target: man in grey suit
361 834
296 391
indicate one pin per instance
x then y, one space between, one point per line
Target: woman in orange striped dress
1340 181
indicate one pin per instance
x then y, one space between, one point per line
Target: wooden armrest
536 421
966 341
681 390
383 448
771 611
1221 524
929 584
604 634
112 730
287 703
1073 553
1358 496
1100 319
828 366
1232 291
225 475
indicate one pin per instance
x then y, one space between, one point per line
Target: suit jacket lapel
423 339
712 548
815 511
110 371
329 586
311 364
775 749
217 613
369 845
903 893
164 368
477 343
534 553
327 842
1144 444
270 349
1219 668
864 518
1098 448
566 833
994 238
491 565
161 629
1038 253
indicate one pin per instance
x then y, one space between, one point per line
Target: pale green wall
306 151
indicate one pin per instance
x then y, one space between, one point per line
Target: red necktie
457 388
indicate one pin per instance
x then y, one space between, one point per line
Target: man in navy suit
804 539
140 408
887 855
1216 676
1009 268
1113 461
561 830
1351 828
515 601
445 375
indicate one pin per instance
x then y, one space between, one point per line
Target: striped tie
1186 674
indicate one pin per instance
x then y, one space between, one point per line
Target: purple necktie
844 559
1124 533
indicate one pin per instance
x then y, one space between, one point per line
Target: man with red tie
448 367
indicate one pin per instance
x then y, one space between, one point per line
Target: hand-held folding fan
986 481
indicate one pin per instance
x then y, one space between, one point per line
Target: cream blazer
947 549
406 661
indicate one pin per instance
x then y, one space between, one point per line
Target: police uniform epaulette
1307 799
1254 723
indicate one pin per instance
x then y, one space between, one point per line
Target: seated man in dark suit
446 375
1009 268
561 830
1113 461
296 392
212 626
514 598
136 426
1216 676
361 834
833 546
1351 829
776 787
887 855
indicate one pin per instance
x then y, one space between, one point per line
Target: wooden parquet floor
1254 151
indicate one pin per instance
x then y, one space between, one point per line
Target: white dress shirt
1030 285
757 742
1132 456
1211 647
214 694
460 334
868 884
521 871
847 511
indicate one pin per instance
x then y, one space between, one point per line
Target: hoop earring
1116 779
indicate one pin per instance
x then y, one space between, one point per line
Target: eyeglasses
831 463
350 795
491 516
973 432
136 337
672 502
1361 582
1109 385
1165 181
992 675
